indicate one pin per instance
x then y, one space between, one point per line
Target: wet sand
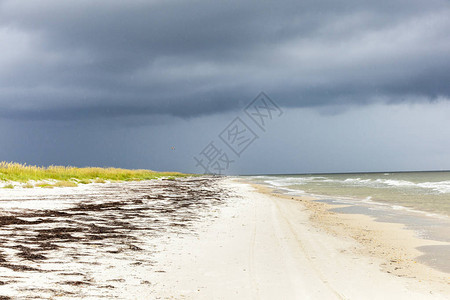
198 238
404 254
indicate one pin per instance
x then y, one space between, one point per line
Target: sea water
419 200
423 191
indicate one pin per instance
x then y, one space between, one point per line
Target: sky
348 85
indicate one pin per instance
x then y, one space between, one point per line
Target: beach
224 150
203 238
268 246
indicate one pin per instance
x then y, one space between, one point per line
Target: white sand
255 246
265 247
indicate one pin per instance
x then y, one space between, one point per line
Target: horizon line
336 173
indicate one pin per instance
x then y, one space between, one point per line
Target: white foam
290 186
437 186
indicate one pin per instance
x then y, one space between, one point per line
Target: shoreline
263 246
397 245
189 238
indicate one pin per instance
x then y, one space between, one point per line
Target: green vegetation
65 183
28 186
71 176
84 181
45 185
8 186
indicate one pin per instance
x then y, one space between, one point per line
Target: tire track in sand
301 247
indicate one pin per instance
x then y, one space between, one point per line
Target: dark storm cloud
85 59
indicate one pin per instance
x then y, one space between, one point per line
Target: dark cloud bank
121 82
84 59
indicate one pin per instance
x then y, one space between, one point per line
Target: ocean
427 192
418 200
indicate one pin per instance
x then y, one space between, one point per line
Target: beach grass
73 176
65 183
8 186
28 186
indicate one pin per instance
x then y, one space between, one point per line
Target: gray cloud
83 59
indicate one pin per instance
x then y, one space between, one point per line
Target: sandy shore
99 240
393 242
201 239
268 247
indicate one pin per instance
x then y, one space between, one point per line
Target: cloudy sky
363 85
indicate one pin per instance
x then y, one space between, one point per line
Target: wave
439 186
442 187
395 194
